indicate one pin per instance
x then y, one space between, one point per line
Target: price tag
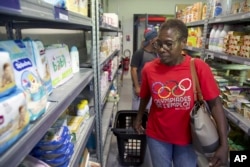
13 5
223 57
218 19
189 47
61 14
246 63
244 16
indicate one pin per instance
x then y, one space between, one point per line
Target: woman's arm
221 155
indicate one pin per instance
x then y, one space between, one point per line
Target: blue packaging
54 138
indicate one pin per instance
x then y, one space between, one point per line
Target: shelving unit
62 98
38 14
232 115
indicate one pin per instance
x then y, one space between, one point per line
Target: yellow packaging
247 111
78 6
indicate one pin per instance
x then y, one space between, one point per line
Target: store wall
127 8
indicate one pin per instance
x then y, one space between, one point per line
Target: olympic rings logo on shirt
164 90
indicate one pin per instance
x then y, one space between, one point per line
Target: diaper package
7 80
59 64
14 119
26 78
36 51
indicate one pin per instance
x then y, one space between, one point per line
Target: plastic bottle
74 54
211 37
217 37
222 35
85 105
80 109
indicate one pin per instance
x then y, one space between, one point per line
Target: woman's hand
137 91
220 157
138 127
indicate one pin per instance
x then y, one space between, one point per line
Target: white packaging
222 34
217 37
7 80
59 65
36 52
74 54
211 37
14 119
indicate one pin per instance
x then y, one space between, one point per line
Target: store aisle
124 104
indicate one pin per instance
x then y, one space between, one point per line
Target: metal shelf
43 15
108 28
191 48
61 98
106 117
240 17
81 143
224 56
105 95
196 23
238 119
105 60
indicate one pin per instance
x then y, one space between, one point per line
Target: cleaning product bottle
217 37
211 37
222 35
80 109
74 59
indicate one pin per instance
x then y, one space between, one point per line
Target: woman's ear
183 43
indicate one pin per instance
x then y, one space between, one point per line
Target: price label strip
61 14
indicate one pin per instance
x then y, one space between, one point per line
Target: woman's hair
178 25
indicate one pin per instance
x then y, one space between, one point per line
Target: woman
167 80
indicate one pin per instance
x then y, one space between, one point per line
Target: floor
124 104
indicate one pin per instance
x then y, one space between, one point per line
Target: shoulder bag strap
196 84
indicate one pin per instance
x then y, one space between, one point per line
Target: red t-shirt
173 98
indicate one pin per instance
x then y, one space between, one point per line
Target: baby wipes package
7 80
36 51
59 64
14 119
27 78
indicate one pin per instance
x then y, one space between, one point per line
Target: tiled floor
124 104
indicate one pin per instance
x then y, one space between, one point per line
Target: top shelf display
40 11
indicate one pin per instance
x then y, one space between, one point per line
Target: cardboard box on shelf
78 6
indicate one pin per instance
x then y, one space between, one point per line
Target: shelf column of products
38 14
230 64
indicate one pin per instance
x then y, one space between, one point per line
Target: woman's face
169 46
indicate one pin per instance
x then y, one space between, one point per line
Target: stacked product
192 13
245 47
77 119
232 42
195 37
110 19
14 115
59 63
26 77
240 6
55 148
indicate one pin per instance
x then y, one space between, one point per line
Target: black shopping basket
131 145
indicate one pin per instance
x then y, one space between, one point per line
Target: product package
59 62
36 51
27 78
7 80
14 119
